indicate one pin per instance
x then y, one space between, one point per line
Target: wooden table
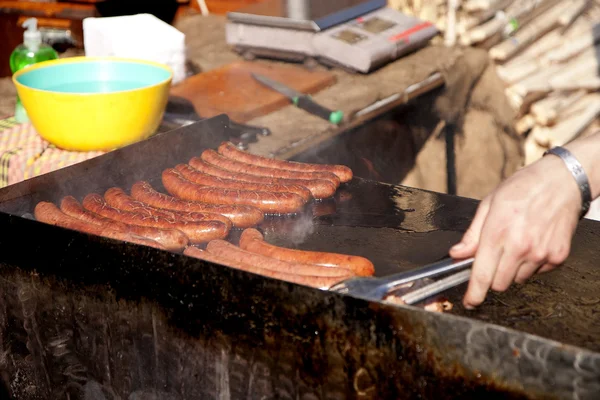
294 130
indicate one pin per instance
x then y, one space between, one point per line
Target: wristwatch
578 173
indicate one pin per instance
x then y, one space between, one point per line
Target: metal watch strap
578 173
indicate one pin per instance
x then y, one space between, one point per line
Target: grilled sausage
117 198
313 281
171 239
227 149
203 179
197 232
321 209
272 203
214 158
225 249
240 216
50 214
252 240
320 188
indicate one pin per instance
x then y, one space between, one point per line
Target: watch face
349 36
376 25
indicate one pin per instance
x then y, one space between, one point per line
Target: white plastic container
141 36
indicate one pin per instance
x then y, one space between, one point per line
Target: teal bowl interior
101 76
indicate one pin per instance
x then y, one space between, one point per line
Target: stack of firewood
547 52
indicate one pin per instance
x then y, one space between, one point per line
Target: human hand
524 226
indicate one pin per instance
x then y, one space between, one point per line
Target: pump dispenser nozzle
31 51
32 38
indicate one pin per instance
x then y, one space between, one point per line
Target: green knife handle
307 104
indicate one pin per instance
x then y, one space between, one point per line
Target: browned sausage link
227 149
252 240
318 282
240 216
171 239
223 248
197 232
272 203
50 214
321 209
117 198
212 157
320 188
203 179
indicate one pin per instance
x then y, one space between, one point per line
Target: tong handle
437 287
391 282
251 129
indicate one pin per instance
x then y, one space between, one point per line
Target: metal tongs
180 111
376 289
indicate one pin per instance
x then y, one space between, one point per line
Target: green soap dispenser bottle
32 51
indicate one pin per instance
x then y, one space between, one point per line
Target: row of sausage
209 196
311 268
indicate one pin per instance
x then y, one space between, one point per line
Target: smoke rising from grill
383 150
301 229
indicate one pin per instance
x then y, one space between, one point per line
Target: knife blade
301 100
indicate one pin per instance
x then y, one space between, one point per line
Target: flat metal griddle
87 315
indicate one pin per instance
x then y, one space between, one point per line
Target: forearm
587 151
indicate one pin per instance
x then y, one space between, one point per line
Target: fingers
524 276
560 245
526 271
558 248
487 259
511 239
517 248
546 268
506 274
470 240
537 255
542 256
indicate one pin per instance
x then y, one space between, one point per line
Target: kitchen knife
301 100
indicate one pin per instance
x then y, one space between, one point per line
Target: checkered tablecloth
24 154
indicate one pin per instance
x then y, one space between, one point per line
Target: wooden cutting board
233 91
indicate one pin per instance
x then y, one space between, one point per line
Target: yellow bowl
94 103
